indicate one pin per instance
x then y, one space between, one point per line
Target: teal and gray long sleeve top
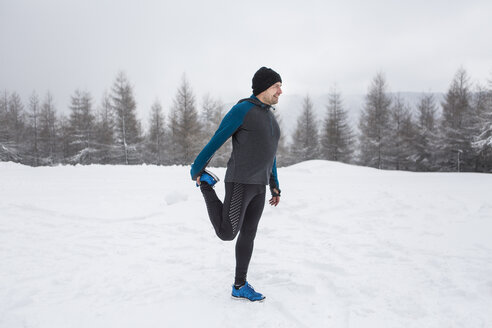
255 134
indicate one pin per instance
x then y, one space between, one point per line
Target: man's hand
198 180
275 199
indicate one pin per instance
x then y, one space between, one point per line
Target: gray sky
62 45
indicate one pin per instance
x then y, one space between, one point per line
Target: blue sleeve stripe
274 172
231 122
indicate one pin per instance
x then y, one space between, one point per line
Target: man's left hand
275 200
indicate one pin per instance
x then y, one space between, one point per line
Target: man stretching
255 134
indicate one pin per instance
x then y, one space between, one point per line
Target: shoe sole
244 299
216 178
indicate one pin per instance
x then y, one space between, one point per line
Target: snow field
116 246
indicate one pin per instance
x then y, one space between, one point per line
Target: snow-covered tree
156 139
81 126
374 139
305 141
184 126
12 127
337 137
105 140
64 135
426 138
402 154
8 149
4 128
127 128
210 117
457 133
482 141
32 142
16 119
212 111
48 131
282 148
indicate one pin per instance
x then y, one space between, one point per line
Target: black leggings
240 212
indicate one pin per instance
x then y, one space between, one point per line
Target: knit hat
263 79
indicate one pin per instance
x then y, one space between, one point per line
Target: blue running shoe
209 178
247 292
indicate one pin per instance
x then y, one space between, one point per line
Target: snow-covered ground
116 246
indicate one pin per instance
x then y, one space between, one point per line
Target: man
255 134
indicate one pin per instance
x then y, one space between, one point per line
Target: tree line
454 135
111 134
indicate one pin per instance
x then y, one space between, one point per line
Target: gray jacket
255 135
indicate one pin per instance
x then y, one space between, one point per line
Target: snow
117 246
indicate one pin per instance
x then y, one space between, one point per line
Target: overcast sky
68 44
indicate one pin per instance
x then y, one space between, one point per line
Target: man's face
270 95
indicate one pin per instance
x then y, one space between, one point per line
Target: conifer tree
127 128
426 139
184 126
456 136
282 156
156 139
210 117
305 141
4 126
64 134
81 128
173 154
337 138
17 126
106 145
16 120
482 141
402 154
48 131
8 151
33 124
374 139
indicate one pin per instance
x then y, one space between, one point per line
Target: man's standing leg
245 241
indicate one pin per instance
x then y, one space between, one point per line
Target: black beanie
263 79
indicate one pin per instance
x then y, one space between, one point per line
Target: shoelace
252 291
